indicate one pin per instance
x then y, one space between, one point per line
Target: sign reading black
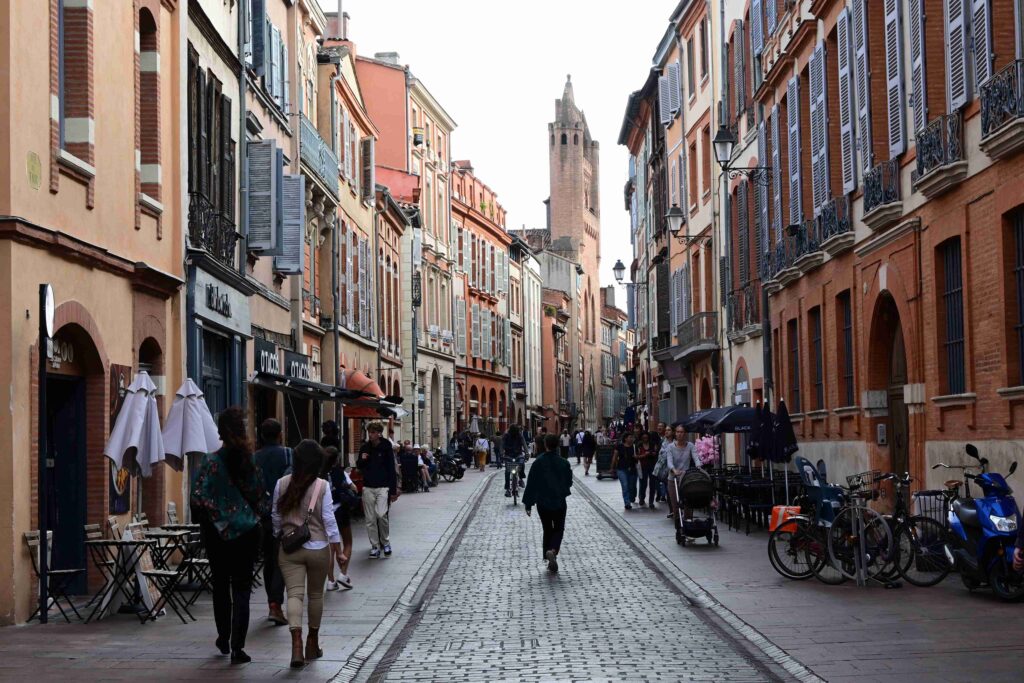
296 365
266 357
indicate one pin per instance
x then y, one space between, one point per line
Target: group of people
297 504
654 459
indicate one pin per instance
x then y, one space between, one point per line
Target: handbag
297 537
660 471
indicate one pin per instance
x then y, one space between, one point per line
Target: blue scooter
984 530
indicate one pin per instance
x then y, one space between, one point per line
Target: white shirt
564 440
579 438
680 458
326 513
483 444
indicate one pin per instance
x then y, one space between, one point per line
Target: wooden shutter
508 342
743 232
673 318
863 80
346 147
227 161
293 226
368 179
771 18
274 77
956 54
460 326
723 279
981 30
737 59
776 172
761 193
819 129
204 134
258 39
675 87
363 268
664 100
847 142
756 28
918 94
793 126
286 77
894 78
475 323
262 195
350 294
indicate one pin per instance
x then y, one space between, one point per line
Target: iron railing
1002 98
834 219
882 185
745 307
317 154
210 230
311 304
940 143
700 329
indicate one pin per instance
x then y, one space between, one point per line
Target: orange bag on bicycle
780 513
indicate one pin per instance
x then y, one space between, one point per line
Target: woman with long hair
334 473
227 498
303 498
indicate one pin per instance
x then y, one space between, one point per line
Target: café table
117 561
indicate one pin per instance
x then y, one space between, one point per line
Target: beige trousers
305 571
375 509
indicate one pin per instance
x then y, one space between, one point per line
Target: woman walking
227 500
648 458
304 521
589 448
547 487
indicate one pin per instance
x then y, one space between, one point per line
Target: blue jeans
627 480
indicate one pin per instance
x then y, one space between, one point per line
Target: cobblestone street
496 613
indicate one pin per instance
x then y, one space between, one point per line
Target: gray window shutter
476 331
723 279
743 232
776 172
508 342
363 287
664 100
485 334
756 28
956 55
981 28
761 193
460 326
368 178
737 60
346 144
258 37
273 78
796 208
771 18
847 143
262 195
675 87
918 98
819 129
863 79
672 309
286 78
350 294
894 78
293 226
465 252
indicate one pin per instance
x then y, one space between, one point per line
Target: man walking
579 446
380 488
564 441
547 487
274 461
624 464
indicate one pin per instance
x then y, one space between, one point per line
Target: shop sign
297 365
266 357
221 303
519 385
59 351
217 300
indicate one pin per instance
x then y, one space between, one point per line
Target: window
693 175
148 100
952 317
74 78
844 309
1017 317
793 339
690 79
706 158
814 318
703 50
565 139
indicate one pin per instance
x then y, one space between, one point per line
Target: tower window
575 139
565 139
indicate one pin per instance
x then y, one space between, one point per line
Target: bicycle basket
931 504
864 480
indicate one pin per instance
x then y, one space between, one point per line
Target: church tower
575 213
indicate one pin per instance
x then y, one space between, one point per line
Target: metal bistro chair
57 579
172 512
114 527
142 519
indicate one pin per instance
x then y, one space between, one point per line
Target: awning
304 388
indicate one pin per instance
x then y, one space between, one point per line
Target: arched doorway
705 394
888 375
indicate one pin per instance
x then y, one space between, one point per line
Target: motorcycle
983 530
450 468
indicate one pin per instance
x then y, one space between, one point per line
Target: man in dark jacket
273 461
380 487
513 449
547 487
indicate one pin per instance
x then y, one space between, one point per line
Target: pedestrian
343 495
304 511
647 457
579 446
274 461
589 449
680 458
331 435
380 488
564 442
513 449
547 487
228 498
482 447
624 464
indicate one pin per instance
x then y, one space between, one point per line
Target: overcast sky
497 68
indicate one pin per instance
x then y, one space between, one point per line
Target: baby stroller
696 494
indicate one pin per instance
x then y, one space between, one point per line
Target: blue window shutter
293 227
262 195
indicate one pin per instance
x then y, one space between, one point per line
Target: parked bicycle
920 550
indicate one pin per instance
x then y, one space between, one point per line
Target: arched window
148 95
552 140
565 139
575 139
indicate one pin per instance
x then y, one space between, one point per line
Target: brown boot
297 660
313 650
276 615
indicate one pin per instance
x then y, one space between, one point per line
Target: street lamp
620 270
676 218
724 144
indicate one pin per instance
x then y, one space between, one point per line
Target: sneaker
628 506
552 562
508 494
344 582
387 550
374 553
651 505
333 585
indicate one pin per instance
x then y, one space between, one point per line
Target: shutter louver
919 100
350 293
258 39
771 18
675 88
737 58
863 81
776 172
894 78
262 196
227 161
847 142
743 233
286 78
672 309
761 192
346 145
460 325
981 28
723 278
274 77
956 55
368 178
293 226
664 100
759 244
796 208
508 342
475 324
819 129
756 28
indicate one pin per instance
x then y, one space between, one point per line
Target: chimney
387 57
609 296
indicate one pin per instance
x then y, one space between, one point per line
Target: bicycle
920 542
860 543
512 474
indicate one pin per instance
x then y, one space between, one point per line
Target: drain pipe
243 162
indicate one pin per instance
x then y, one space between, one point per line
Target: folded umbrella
135 442
189 427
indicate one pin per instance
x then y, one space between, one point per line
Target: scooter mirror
1013 467
972 451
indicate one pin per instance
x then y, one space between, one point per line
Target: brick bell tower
575 213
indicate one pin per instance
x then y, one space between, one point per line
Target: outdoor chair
115 528
58 580
141 518
172 512
167 582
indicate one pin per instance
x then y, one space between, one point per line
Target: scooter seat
967 512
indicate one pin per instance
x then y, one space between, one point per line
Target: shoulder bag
297 537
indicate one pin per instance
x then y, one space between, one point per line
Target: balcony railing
882 185
318 155
311 304
1001 98
745 307
210 230
698 334
939 144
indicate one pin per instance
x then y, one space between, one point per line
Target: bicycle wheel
844 542
921 551
816 550
786 550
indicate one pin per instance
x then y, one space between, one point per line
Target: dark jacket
378 467
274 462
548 483
513 446
589 445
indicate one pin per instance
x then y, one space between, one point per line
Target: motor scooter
983 530
450 468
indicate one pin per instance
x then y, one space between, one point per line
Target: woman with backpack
304 521
343 493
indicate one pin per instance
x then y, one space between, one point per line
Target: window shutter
508 342
491 268
918 97
847 142
364 288
262 195
894 78
771 18
346 147
956 54
737 59
258 39
293 226
485 334
863 80
723 279
465 253
203 105
819 129
776 172
368 179
227 161
475 323
793 125
460 326
981 28
672 309
756 28
743 232
273 78
762 192
675 87
286 78
350 295
664 100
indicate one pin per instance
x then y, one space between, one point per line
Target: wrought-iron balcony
311 304
318 155
1002 111
941 162
883 201
835 229
210 230
744 307
806 243
698 336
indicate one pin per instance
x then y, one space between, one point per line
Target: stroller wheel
680 539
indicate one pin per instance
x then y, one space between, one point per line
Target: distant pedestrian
564 443
380 488
302 500
482 447
331 435
579 446
343 495
274 461
547 487
647 457
624 463
589 449
228 500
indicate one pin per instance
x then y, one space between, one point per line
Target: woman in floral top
228 500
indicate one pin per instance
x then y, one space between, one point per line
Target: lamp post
619 270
